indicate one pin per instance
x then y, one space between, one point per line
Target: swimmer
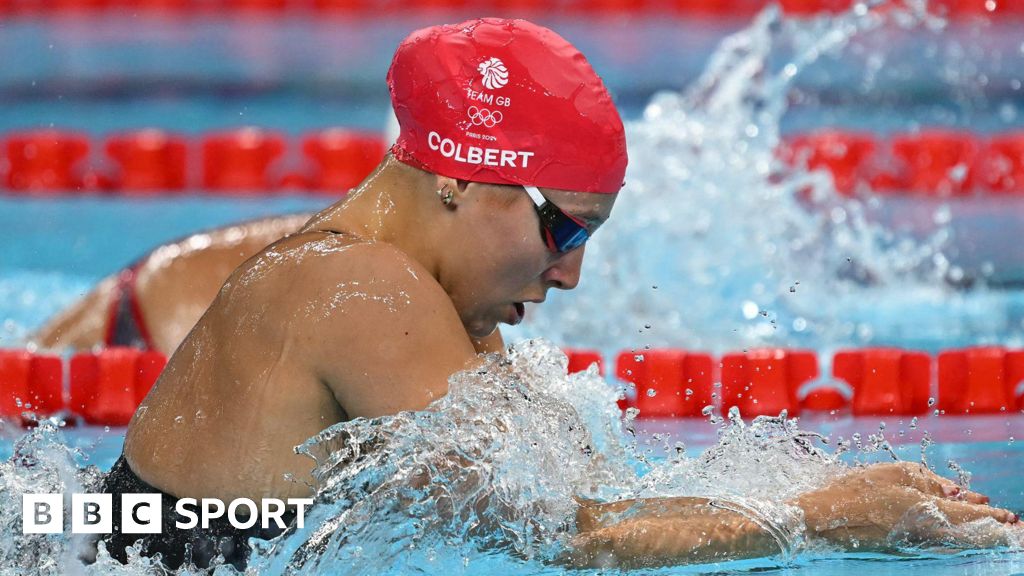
153 303
510 157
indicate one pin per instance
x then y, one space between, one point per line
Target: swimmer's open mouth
520 312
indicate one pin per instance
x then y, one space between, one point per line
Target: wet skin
365 312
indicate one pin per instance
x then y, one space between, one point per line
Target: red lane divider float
933 163
669 383
977 8
844 154
151 161
103 388
982 380
1000 167
813 7
45 161
107 387
765 382
936 163
342 158
865 382
30 383
240 160
580 360
885 381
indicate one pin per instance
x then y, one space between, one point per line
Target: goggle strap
535 195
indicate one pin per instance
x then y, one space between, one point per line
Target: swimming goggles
561 232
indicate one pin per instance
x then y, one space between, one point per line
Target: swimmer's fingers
957 525
921 478
960 512
974 497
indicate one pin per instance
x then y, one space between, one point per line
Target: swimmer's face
502 256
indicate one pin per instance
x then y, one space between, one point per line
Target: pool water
706 231
994 463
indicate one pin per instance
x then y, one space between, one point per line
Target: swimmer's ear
461 186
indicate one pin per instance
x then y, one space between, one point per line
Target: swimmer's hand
879 506
870 508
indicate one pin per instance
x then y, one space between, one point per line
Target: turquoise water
994 463
706 232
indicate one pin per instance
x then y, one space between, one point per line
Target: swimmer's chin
480 332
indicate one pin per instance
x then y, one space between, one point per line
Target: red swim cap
505 102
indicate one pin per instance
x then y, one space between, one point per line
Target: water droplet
707 410
651 392
632 412
689 392
931 402
913 423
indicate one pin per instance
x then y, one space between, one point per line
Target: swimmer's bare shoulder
373 325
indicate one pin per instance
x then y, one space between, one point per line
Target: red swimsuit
125 324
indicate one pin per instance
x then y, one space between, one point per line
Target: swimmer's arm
858 511
664 531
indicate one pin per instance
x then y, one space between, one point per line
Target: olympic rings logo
484 117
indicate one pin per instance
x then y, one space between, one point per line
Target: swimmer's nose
564 273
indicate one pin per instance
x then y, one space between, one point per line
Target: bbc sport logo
143 513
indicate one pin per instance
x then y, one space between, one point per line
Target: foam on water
711 246
496 464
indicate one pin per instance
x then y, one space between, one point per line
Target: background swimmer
156 301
